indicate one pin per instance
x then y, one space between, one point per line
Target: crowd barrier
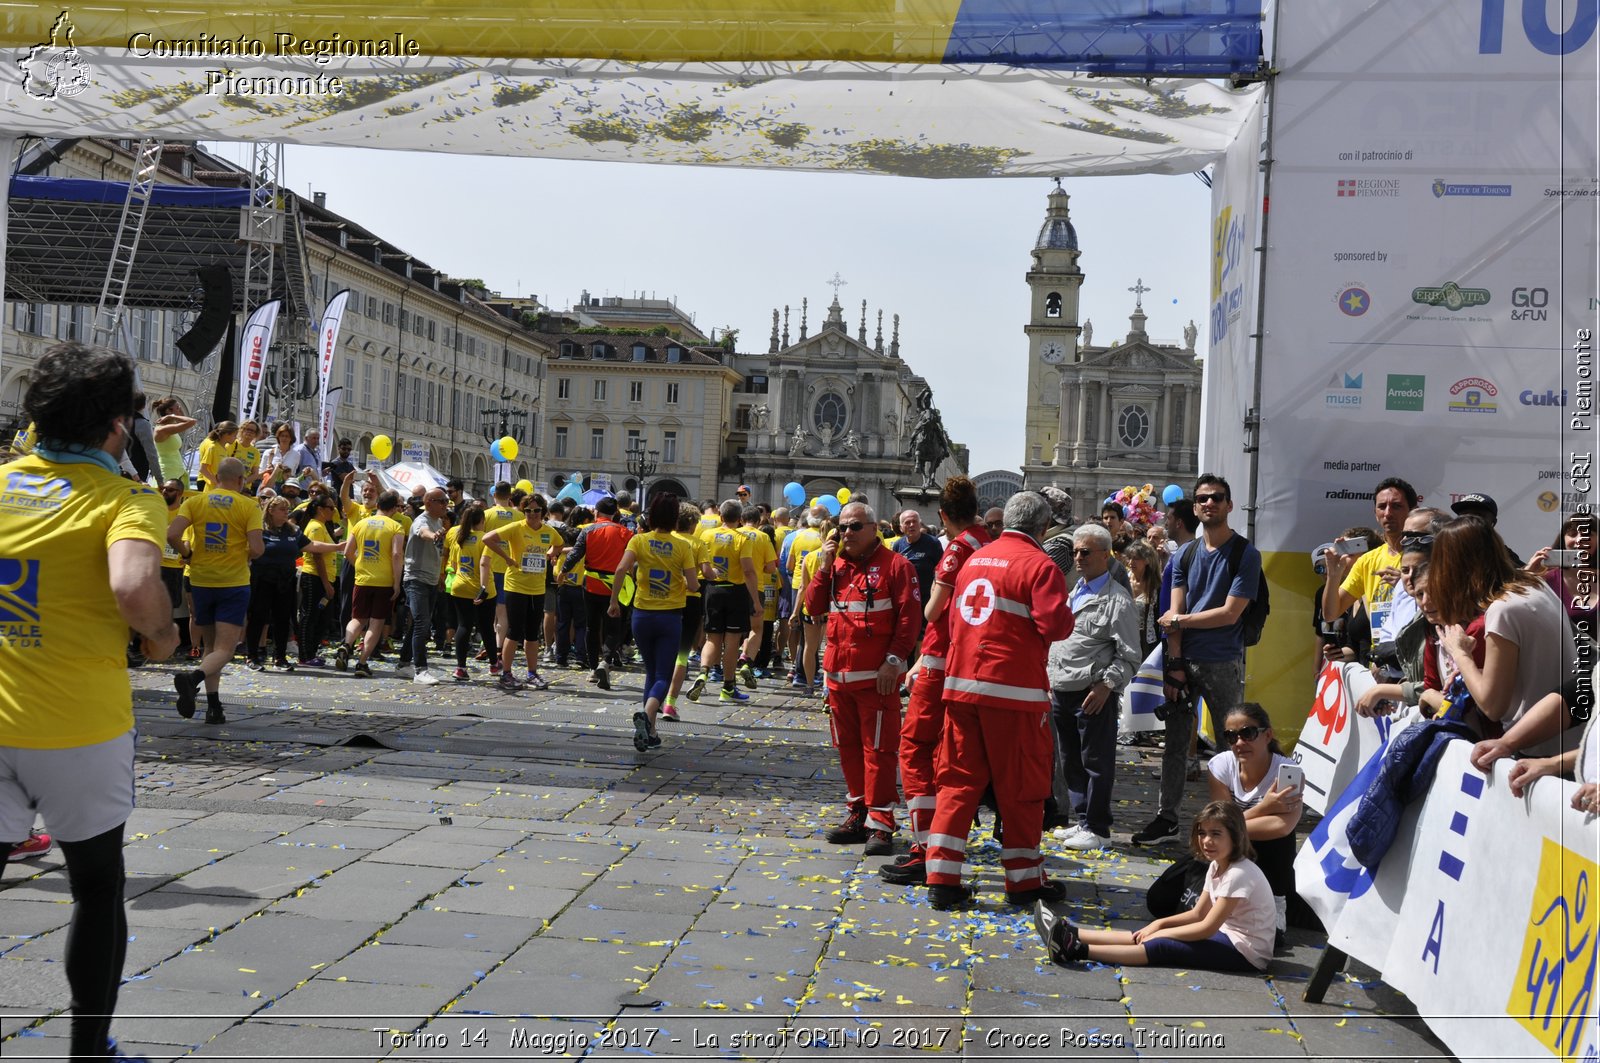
1483 910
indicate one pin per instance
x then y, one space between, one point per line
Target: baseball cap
744 489
1318 562
1476 503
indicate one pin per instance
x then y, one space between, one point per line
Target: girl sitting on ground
1231 929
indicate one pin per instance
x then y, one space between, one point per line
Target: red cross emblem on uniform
978 602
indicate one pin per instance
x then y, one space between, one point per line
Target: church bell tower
1052 332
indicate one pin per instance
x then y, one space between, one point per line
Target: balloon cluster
504 449
795 494
1137 505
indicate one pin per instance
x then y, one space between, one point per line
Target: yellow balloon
382 447
843 495
815 502
508 448
524 486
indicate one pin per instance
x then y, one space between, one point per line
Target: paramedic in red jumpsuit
923 727
1010 604
873 604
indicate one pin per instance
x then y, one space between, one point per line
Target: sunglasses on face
1084 551
1201 500
1409 541
1249 734
854 526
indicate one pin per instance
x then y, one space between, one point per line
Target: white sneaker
1068 833
1086 840
426 678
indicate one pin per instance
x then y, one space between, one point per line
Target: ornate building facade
1101 417
831 410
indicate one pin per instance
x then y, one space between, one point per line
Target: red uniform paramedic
870 596
924 720
1010 604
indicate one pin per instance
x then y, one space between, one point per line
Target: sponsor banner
413 451
1334 743
327 346
1481 912
255 343
403 476
1229 380
330 414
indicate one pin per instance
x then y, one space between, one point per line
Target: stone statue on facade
929 444
852 445
1088 333
759 416
797 443
1190 334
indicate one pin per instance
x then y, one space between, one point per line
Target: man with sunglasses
1371 576
1204 627
870 596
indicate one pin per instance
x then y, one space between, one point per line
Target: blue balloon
794 493
1171 494
494 451
572 492
830 504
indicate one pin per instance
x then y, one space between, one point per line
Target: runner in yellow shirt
317 591
498 515
80 557
802 542
376 550
213 448
663 566
733 602
527 549
227 538
245 450
765 556
474 608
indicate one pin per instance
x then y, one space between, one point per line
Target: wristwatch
894 660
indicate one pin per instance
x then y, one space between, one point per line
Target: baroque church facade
1101 417
833 410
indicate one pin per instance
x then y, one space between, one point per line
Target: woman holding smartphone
1571 566
1254 774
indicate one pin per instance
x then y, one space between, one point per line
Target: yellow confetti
246 970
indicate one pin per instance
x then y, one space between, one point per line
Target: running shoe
602 677
508 683
696 688
341 656
188 687
715 673
694 658
482 655
670 714
214 713
313 662
537 681
194 653
797 681
735 695
461 675
425 678
747 675
38 844
284 663
362 670
641 731
494 668
256 664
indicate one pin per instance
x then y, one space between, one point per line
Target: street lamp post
510 421
641 466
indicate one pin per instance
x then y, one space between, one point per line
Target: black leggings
97 936
473 616
311 614
605 632
271 601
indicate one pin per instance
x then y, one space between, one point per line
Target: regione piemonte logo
1367 188
54 69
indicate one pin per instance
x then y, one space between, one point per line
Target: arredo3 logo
1451 296
1405 392
54 69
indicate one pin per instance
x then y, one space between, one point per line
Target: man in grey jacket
1088 672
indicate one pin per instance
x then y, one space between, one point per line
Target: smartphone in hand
1291 777
1351 547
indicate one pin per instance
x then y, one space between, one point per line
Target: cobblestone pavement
370 869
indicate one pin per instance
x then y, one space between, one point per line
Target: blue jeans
656 633
1088 755
419 598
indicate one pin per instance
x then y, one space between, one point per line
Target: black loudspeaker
216 312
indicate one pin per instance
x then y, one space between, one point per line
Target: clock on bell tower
1052 331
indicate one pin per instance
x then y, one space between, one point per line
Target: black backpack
1254 619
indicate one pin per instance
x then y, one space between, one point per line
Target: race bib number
533 563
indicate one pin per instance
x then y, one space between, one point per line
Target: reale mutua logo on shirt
19 592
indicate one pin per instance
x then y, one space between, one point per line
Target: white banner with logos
1482 912
327 346
1431 278
330 414
1334 743
254 344
1229 381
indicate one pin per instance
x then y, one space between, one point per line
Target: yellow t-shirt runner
806 542
495 518
697 550
726 546
317 532
761 552
463 560
806 571
661 559
170 558
63 644
211 452
373 534
531 550
222 521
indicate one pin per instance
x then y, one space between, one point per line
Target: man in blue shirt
1205 639
919 548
